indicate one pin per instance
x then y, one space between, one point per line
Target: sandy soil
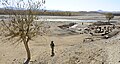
69 49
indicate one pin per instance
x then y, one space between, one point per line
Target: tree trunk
28 52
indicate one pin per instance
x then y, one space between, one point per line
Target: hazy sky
83 5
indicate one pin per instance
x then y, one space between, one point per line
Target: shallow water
66 18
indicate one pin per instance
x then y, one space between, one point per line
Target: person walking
52 47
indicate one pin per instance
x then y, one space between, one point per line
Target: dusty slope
69 49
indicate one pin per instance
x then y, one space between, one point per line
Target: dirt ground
69 49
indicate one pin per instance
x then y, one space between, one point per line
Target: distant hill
56 12
13 8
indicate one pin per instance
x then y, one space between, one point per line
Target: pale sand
69 49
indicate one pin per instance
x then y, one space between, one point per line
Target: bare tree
109 16
23 27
